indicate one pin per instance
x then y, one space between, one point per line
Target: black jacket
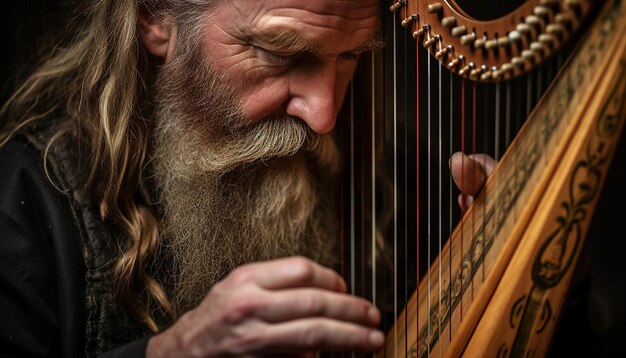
55 300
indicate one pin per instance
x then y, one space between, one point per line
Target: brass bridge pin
466 69
443 52
456 62
408 20
431 41
420 32
477 71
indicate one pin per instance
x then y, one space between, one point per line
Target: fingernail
469 200
377 338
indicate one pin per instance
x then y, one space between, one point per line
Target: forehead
329 23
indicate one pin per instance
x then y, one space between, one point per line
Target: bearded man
167 172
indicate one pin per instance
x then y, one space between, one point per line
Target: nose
314 95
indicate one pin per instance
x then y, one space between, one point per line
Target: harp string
450 195
463 201
373 182
417 184
439 191
428 193
473 177
406 189
395 181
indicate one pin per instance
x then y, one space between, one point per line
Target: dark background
26 27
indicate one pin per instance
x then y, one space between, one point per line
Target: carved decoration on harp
562 246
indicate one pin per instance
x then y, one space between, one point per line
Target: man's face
293 57
240 174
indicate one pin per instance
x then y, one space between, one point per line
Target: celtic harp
540 86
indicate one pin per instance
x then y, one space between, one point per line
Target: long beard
231 194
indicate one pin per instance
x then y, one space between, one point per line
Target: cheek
267 98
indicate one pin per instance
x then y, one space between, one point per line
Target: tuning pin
467 39
528 55
538 47
514 36
564 19
533 20
459 31
479 43
435 8
517 61
547 39
524 28
572 4
551 3
395 7
491 44
506 67
448 22
555 29
542 11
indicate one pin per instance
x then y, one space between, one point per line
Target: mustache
276 137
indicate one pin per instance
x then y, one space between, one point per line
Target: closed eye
272 58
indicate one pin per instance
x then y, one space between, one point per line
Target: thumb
470 172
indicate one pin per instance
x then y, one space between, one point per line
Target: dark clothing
56 259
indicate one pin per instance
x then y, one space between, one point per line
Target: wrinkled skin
290 306
277 79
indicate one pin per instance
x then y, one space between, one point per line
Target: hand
469 173
287 306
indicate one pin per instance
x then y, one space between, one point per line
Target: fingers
470 172
487 163
322 334
303 303
292 272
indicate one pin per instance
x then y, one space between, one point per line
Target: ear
155 33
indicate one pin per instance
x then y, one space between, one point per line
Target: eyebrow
290 40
